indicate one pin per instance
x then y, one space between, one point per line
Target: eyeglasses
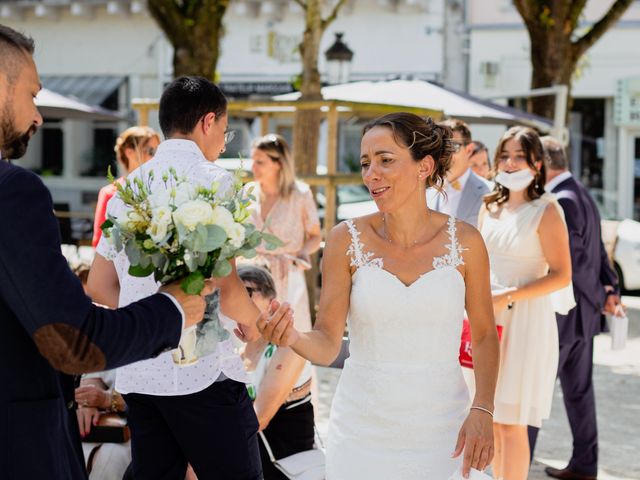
229 136
457 146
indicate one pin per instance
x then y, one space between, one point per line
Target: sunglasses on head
151 151
229 135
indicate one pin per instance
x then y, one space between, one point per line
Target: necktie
456 185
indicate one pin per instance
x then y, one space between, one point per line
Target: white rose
236 235
184 192
223 218
193 213
160 198
159 226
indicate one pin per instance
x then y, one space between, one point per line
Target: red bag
465 357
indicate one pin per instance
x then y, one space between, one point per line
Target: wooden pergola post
264 123
331 208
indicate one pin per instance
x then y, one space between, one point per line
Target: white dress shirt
449 204
553 183
160 375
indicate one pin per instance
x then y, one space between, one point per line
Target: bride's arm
322 344
476 434
479 306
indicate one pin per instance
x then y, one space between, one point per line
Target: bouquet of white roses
183 231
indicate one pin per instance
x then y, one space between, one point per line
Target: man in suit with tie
49 329
595 288
464 189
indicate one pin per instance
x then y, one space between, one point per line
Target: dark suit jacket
48 326
589 261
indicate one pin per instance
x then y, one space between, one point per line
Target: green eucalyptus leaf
159 260
191 261
132 251
145 261
216 237
246 253
271 241
222 268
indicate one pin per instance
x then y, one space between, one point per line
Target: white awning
422 94
89 89
55 106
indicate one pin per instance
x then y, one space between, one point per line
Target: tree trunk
306 126
194 28
555 47
553 62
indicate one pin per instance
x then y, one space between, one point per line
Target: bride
403 277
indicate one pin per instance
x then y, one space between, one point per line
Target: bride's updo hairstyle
422 137
531 145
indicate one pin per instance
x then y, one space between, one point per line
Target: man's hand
192 305
612 304
276 325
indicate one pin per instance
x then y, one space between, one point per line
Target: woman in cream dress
528 244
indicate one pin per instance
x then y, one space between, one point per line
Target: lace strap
358 256
454 257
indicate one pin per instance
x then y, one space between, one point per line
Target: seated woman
281 387
96 396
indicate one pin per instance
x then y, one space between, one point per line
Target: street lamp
339 58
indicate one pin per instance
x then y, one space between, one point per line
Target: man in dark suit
595 289
47 324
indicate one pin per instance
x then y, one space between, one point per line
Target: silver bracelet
482 409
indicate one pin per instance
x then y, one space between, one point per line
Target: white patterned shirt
161 376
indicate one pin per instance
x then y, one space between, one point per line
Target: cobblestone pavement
617 383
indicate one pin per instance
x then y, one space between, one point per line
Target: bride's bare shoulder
343 233
470 239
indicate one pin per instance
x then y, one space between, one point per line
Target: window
102 155
52 149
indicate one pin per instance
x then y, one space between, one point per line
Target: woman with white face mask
526 237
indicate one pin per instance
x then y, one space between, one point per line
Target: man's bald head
15 50
555 156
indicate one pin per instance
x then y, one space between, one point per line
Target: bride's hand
276 325
476 440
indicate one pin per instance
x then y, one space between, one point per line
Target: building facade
605 135
108 52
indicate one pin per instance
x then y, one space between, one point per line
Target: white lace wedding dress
401 399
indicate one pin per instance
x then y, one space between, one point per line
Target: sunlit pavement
617 383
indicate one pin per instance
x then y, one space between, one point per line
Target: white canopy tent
55 106
422 94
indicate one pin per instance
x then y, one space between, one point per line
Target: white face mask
515 181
